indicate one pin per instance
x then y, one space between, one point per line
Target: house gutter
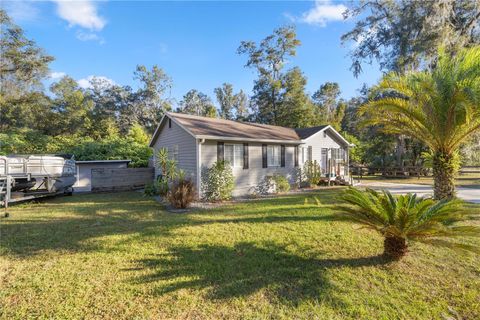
206 137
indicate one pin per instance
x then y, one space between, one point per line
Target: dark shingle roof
203 126
304 133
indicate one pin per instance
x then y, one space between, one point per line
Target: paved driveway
467 194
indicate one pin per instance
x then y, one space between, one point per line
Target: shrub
264 187
162 186
182 193
26 141
407 218
111 149
297 177
281 183
276 183
150 190
217 182
312 172
158 187
168 168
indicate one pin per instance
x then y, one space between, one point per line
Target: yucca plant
168 169
407 217
440 108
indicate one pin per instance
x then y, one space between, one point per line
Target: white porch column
199 166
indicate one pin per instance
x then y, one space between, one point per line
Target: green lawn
122 256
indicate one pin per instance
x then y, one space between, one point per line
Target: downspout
199 166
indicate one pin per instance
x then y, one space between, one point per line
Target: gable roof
214 128
304 133
210 128
309 132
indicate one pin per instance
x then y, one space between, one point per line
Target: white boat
39 165
50 173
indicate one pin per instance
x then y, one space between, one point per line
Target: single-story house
83 175
254 150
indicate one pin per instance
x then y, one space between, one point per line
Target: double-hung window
173 152
273 156
233 153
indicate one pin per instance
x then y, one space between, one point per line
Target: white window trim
237 163
278 158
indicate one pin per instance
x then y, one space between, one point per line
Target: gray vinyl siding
318 141
187 151
246 179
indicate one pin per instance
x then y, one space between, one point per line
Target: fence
405 171
120 179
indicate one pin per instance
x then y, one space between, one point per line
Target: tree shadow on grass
96 215
229 272
66 223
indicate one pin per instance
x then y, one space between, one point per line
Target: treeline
110 121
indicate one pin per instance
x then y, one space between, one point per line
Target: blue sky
194 42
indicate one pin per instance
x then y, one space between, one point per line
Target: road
467 194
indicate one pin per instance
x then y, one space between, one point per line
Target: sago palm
439 107
407 217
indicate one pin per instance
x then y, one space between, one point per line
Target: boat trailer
35 176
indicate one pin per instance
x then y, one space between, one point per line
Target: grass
121 256
467 180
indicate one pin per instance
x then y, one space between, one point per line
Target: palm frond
440 108
406 216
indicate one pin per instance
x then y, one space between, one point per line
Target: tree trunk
394 247
400 150
444 171
274 108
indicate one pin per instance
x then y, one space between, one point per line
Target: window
169 122
233 153
273 156
338 154
324 160
173 152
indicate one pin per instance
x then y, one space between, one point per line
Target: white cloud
57 75
85 83
82 13
89 36
322 13
22 11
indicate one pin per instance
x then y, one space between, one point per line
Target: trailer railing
5 185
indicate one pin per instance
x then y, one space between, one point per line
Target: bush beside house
217 182
172 184
182 193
